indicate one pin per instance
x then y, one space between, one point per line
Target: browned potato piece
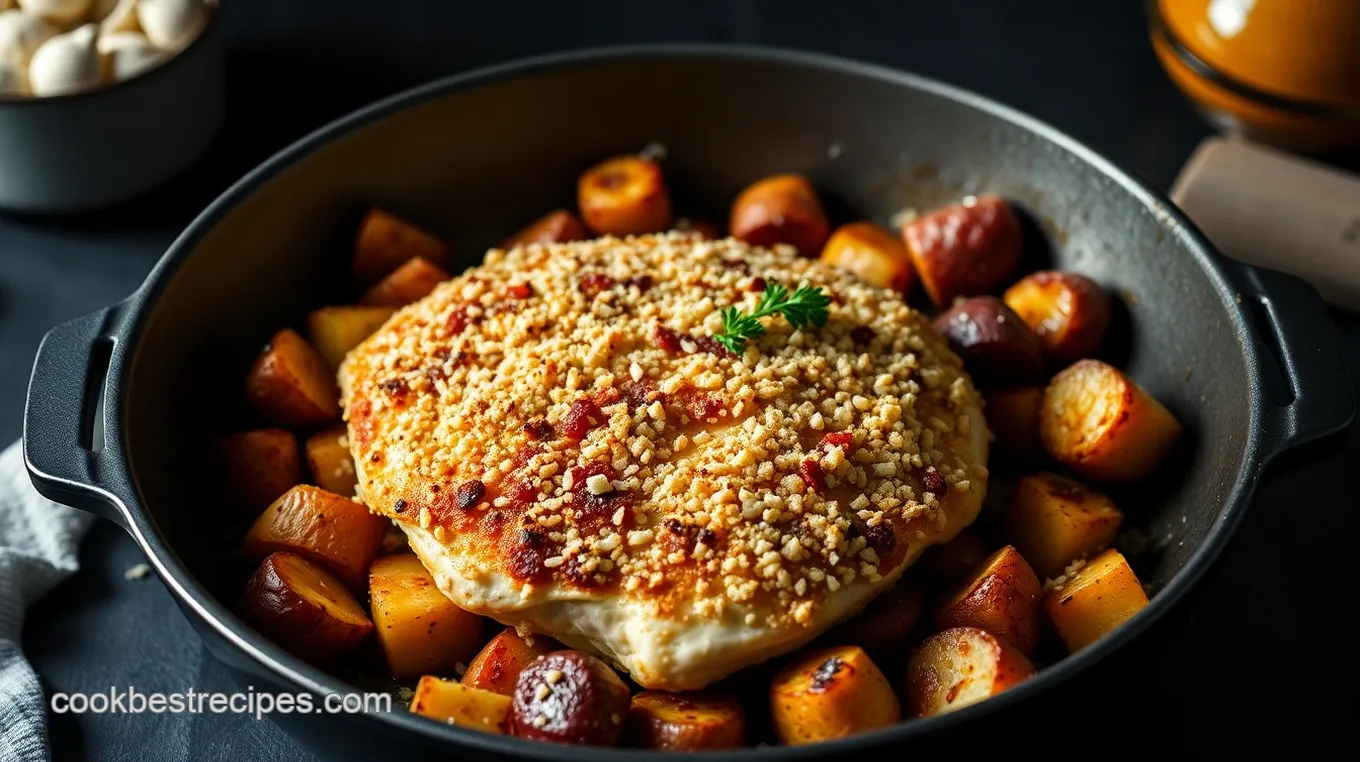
781 209
964 249
569 697
497 666
876 256
557 226
420 630
385 242
411 282
303 608
1102 595
625 195
291 385
996 346
957 558
323 527
1068 312
255 467
685 722
1054 521
831 693
704 231
960 667
1098 422
1013 417
461 705
1001 597
329 459
886 625
334 331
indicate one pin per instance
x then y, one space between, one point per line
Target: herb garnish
807 305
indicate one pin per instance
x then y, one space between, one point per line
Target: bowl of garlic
103 100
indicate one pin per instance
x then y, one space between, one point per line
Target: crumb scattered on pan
405 694
140 571
835 150
459 668
656 151
903 218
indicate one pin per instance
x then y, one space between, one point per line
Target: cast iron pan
121 401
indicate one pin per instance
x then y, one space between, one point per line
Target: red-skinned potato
1068 312
557 226
409 283
957 558
685 722
291 385
330 461
385 241
873 254
1002 597
457 704
996 346
625 195
885 627
781 209
255 467
1013 417
304 608
831 693
964 249
1098 422
334 331
322 527
1054 521
569 697
497 666
1099 597
419 628
960 667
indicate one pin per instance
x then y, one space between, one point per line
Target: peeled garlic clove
59 12
13 80
127 54
66 63
116 16
20 36
172 24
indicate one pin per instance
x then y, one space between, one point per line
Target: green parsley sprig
806 306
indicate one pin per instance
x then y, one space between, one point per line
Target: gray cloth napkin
38 544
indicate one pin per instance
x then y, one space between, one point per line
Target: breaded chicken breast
569 450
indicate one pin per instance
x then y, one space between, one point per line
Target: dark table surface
1262 652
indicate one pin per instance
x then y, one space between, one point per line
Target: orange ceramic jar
1283 71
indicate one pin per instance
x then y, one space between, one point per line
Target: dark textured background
1263 652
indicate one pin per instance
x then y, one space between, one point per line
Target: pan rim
289 669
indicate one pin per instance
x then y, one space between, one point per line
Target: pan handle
64 418
1314 396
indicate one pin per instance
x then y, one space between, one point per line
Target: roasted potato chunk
1099 597
409 283
291 385
329 459
781 209
876 256
1068 312
1002 597
386 241
960 667
886 625
557 226
497 666
323 527
334 331
995 344
569 697
1054 521
685 722
255 467
964 249
1098 422
462 705
957 558
303 608
1013 416
831 693
420 630
625 195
